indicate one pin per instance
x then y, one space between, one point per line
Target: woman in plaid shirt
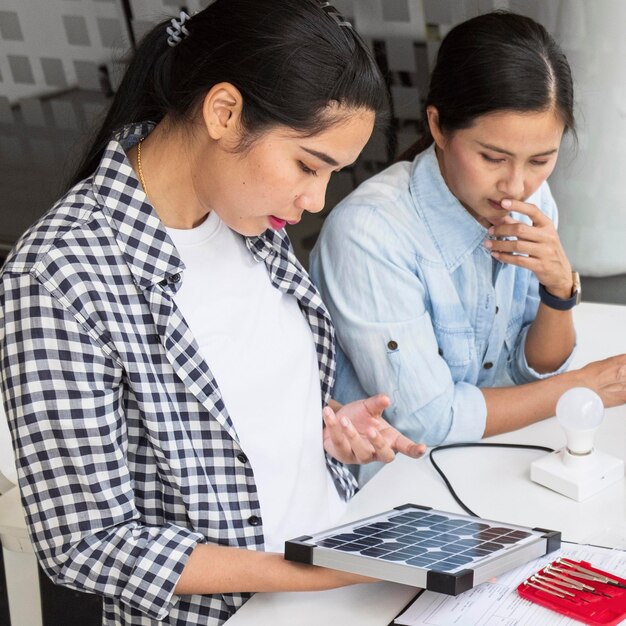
166 361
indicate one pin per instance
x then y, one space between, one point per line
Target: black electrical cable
475 445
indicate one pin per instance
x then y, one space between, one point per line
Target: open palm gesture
357 433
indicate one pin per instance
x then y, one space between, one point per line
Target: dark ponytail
498 61
289 59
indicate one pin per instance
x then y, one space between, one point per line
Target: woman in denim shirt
445 276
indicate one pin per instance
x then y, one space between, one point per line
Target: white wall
50 45
589 181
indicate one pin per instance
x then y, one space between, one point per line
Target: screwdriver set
579 590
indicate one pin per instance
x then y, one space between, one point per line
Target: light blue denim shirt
422 311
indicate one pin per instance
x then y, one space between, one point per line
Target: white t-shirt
261 352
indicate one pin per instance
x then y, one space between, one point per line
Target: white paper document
498 603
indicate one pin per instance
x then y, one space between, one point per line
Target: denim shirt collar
455 233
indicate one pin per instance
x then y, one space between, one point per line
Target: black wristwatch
561 304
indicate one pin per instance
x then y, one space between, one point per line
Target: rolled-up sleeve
63 391
369 280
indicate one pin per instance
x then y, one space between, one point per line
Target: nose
513 183
313 198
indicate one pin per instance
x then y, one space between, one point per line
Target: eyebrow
322 156
496 149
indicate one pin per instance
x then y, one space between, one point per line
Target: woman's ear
221 111
432 115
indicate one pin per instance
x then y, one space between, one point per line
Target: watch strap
561 304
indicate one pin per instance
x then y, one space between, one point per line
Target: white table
495 483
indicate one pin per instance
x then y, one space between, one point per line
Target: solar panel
423 547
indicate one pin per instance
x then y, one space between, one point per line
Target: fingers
529 263
610 375
537 232
340 448
408 447
525 208
517 246
383 451
517 229
373 440
350 446
535 247
375 405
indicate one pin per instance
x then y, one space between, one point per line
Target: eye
538 163
490 160
306 170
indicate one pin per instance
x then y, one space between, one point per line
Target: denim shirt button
497 310
392 345
488 365
440 351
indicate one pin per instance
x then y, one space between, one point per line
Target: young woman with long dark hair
166 363
445 275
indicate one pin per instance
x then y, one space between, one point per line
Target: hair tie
332 11
177 31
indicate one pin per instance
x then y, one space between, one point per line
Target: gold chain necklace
143 182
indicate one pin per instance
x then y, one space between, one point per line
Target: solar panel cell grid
414 545
425 540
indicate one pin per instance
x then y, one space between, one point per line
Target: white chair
20 564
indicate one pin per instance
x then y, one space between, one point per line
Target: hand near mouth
535 246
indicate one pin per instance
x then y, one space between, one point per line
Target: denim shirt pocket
456 348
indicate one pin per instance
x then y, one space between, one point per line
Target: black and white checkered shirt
127 456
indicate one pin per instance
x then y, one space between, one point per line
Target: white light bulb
580 412
578 471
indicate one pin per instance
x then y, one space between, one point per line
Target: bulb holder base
577 477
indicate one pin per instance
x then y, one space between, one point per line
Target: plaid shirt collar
146 246
153 259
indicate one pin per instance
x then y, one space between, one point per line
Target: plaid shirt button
242 458
253 520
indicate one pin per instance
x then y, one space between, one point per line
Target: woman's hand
357 433
607 378
536 247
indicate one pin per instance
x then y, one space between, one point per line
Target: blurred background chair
20 564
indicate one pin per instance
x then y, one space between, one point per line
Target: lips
276 223
495 205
